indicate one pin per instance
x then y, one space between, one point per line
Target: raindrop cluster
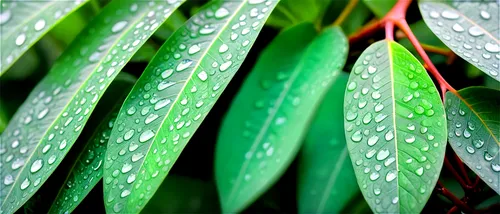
173 96
472 139
393 135
470 29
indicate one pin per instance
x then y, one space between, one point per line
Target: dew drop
118 26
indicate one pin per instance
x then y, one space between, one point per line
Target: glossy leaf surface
174 95
23 23
184 195
474 131
49 121
326 180
87 169
470 29
395 129
269 116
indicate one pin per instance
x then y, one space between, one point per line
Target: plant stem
462 168
347 10
450 167
459 203
389 31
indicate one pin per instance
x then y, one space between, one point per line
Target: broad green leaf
290 12
23 23
47 124
474 131
395 129
184 195
86 171
270 114
174 95
326 180
380 7
470 29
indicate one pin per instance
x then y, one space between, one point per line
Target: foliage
100 98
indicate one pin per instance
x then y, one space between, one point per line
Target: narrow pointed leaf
86 171
52 117
270 114
23 23
395 129
474 131
326 180
174 95
468 28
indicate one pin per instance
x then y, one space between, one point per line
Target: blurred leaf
23 23
173 96
269 116
474 126
395 128
4 120
67 30
174 22
291 12
50 120
380 7
86 170
184 195
356 19
326 181
26 65
470 29
145 53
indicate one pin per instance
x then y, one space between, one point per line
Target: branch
459 203
347 10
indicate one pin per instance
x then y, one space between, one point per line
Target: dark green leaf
290 12
395 128
47 124
269 116
173 96
326 182
184 195
474 131
470 29
23 23
380 7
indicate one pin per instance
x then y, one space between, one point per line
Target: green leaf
23 23
474 131
380 7
184 195
425 36
470 29
174 95
395 128
4 120
326 181
291 12
145 53
269 116
52 117
86 171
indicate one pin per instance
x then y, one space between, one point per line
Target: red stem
389 31
459 203
462 168
460 180
366 31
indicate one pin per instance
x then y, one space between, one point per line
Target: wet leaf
380 7
269 116
470 29
86 170
395 128
474 131
326 180
23 23
184 195
173 96
47 124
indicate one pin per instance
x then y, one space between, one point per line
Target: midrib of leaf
296 71
31 18
391 69
331 181
478 116
472 22
191 77
21 169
